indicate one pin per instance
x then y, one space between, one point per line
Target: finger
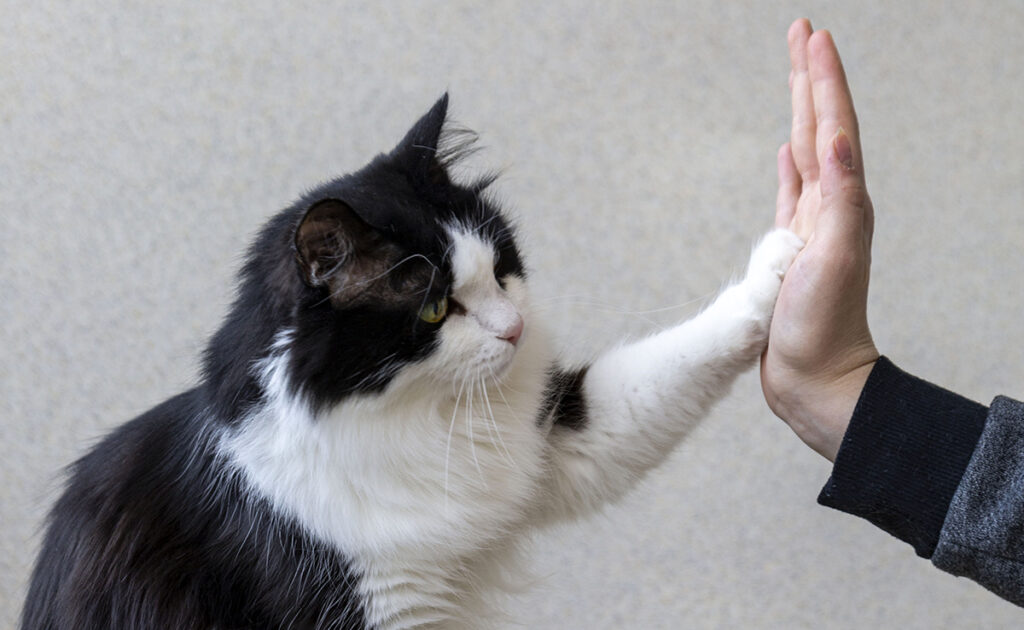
846 217
833 103
804 126
789 188
846 213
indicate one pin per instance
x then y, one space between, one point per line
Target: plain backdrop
142 146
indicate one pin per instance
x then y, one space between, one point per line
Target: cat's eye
434 311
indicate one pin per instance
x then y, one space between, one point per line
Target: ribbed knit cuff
903 455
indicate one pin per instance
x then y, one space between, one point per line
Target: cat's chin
492 367
500 363
499 369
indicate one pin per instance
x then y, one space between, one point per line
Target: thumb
845 217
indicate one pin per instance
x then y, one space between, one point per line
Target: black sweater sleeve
903 455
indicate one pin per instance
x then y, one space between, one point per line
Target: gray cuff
983 534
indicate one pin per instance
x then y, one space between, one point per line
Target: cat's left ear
332 239
418 150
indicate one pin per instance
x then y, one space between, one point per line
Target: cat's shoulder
151 449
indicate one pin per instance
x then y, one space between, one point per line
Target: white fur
644 397
429 487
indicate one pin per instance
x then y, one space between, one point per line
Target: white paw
775 253
769 263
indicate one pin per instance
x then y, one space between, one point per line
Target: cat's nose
514 331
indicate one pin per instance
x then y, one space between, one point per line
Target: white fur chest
424 492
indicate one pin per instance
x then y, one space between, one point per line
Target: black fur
564 403
155 529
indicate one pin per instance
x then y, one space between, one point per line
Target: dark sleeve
904 455
983 537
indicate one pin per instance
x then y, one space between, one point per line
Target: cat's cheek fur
471 343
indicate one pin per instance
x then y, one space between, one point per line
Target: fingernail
844 150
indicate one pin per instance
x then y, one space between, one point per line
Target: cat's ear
418 150
329 236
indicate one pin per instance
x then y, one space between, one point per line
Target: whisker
489 418
494 421
469 425
396 266
367 281
571 301
430 285
381 370
448 448
448 250
500 383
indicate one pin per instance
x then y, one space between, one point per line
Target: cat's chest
437 481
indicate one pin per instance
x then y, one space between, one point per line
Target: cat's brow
430 285
365 283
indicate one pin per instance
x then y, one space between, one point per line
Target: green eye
435 311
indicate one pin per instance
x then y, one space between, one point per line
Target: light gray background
141 147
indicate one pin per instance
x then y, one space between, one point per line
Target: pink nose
513 332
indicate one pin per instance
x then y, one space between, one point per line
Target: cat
379 422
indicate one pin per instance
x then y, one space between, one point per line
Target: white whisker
488 419
494 421
469 424
575 300
448 448
381 370
367 281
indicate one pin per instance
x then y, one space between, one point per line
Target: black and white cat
379 422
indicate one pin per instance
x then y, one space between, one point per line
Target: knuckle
854 193
849 192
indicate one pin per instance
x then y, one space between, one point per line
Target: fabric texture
940 472
983 535
903 455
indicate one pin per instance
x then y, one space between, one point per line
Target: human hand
820 349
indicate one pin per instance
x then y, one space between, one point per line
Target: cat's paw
768 265
775 253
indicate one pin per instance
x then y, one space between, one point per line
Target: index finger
833 103
801 136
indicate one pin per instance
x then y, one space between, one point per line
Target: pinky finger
789 188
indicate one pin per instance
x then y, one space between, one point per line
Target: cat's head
405 274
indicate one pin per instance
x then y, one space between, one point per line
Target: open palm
820 348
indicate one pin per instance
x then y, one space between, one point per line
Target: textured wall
141 147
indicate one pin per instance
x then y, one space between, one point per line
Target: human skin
820 351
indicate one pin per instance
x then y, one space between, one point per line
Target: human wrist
819 409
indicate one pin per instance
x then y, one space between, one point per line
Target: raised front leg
614 420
